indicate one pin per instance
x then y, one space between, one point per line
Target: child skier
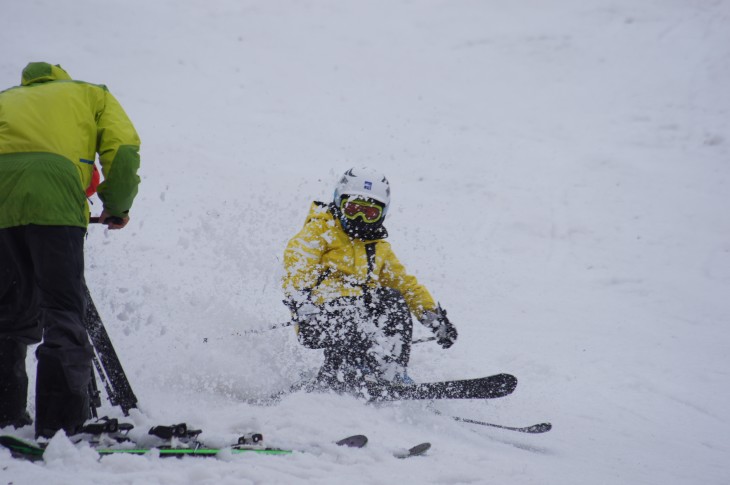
349 294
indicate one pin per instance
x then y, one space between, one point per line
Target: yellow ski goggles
353 208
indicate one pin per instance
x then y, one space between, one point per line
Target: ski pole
258 331
424 339
290 323
534 429
262 330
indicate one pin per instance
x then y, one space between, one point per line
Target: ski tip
419 449
355 441
509 382
415 451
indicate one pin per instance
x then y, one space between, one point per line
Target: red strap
95 178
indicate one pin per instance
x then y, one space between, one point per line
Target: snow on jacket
51 129
323 259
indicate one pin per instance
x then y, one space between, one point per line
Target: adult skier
51 129
349 294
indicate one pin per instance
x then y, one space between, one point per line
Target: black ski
106 360
495 386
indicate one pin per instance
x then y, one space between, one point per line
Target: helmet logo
368 185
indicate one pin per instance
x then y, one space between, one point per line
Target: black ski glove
302 312
304 315
440 325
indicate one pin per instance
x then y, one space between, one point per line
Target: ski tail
22 449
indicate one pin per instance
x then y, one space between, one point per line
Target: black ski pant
42 295
361 336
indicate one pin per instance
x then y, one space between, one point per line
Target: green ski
32 451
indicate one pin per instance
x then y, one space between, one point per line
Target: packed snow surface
560 180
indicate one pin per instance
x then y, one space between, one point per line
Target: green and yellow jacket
51 129
324 262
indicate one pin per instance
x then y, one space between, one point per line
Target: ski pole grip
112 220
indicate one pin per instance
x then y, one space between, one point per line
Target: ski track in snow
560 184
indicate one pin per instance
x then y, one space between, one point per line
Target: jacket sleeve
394 275
118 147
303 258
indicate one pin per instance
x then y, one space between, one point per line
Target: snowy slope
560 183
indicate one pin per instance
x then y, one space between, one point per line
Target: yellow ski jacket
324 260
51 129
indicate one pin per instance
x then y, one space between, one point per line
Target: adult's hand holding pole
112 222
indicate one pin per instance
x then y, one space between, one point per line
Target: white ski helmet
364 182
